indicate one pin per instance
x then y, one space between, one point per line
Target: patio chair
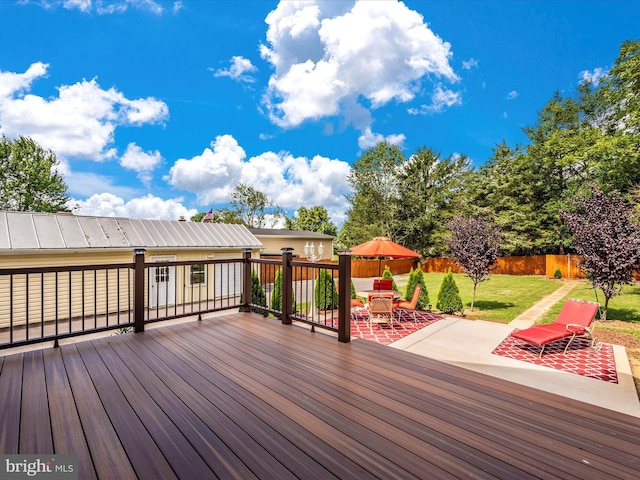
411 306
380 309
383 284
574 320
355 302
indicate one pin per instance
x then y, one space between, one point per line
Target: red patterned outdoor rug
383 333
580 358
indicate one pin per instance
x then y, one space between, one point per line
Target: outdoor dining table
365 293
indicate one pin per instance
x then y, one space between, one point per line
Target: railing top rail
329 266
63 268
208 261
267 261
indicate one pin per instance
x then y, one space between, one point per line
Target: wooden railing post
344 296
287 285
138 290
246 280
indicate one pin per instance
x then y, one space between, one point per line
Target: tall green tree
29 180
314 219
510 189
620 90
429 192
222 215
254 208
374 180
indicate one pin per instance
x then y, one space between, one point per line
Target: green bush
276 295
258 297
449 300
389 276
557 273
326 295
416 278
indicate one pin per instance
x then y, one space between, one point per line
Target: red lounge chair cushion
572 318
542 334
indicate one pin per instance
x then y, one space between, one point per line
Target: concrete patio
470 343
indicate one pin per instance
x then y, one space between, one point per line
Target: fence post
138 290
246 280
344 296
287 285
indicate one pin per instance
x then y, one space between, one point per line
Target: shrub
557 273
326 295
258 297
449 300
276 295
389 276
416 277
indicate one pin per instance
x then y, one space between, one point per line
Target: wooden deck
241 396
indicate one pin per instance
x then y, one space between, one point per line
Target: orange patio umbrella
383 247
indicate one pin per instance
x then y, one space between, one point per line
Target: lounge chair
380 309
573 321
411 306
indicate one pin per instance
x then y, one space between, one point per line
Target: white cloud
593 76
16 83
286 180
370 139
469 64
136 159
148 207
512 94
212 174
238 70
441 99
80 122
330 54
106 7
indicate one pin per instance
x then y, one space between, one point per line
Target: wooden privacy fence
513 265
567 264
531 265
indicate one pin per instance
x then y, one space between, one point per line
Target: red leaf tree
474 245
608 239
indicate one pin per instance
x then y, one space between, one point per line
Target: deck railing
53 303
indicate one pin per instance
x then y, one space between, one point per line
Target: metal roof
27 231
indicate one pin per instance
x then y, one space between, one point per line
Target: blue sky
157 109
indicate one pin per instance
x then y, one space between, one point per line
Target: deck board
35 435
66 426
241 396
10 401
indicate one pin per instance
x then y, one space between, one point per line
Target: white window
198 274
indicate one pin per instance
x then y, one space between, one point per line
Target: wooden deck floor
241 396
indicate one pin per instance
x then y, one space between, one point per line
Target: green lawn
624 307
501 298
